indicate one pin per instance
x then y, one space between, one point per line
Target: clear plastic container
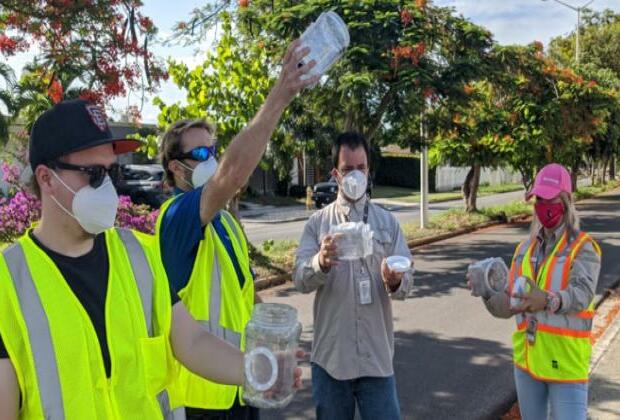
488 277
327 38
353 240
272 337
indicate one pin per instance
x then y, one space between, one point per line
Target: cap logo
98 116
552 180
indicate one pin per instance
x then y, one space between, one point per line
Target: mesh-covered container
353 240
488 277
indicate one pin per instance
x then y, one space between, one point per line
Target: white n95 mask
354 185
203 172
94 208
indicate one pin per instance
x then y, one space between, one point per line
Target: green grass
407 195
458 218
3 245
588 192
273 257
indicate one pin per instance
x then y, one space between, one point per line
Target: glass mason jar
272 337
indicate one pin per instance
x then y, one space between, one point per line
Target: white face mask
354 185
93 208
202 172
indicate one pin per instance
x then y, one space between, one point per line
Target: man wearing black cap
89 326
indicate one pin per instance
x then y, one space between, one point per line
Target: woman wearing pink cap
554 310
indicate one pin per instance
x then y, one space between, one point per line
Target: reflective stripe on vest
144 278
550 279
38 326
215 306
38 332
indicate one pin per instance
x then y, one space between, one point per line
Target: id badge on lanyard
363 278
364 288
530 332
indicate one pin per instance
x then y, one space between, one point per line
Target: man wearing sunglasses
203 247
89 326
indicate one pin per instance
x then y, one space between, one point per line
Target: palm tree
7 101
33 97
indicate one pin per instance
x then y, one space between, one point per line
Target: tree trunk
470 189
574 174
612 168
604 170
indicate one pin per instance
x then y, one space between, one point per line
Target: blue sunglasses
199 154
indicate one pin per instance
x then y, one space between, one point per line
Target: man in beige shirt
353 344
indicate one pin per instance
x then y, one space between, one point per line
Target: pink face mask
549 214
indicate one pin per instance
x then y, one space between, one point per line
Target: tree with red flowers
399 50
95 49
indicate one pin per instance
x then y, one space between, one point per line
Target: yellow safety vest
55 350
562 349
213 297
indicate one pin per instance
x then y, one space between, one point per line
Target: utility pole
578 35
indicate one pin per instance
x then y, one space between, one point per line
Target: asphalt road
453 360
260 232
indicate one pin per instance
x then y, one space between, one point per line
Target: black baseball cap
71 126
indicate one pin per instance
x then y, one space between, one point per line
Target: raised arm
245 152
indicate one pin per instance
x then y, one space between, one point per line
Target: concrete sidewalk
604 393
452 359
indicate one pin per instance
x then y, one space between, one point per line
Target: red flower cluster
10 45
55 91
405 17
413 53
100 37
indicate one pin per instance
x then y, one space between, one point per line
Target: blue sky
511 21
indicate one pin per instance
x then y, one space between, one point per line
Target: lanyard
364 218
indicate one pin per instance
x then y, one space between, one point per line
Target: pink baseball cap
551 181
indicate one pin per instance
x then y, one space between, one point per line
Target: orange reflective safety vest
562 349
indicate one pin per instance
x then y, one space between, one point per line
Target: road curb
274 222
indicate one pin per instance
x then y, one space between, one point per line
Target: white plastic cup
327 38
398 263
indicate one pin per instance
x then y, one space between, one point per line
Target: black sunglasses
200 154
96 173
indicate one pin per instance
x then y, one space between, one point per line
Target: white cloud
523 21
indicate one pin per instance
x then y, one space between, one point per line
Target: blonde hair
170 144
570 220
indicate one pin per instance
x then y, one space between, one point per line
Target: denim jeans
335 400
567 401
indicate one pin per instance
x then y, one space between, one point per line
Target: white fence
448 178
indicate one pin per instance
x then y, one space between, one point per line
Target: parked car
325 193
144 184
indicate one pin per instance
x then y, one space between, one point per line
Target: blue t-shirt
180 235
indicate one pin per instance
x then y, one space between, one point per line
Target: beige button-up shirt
351 340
